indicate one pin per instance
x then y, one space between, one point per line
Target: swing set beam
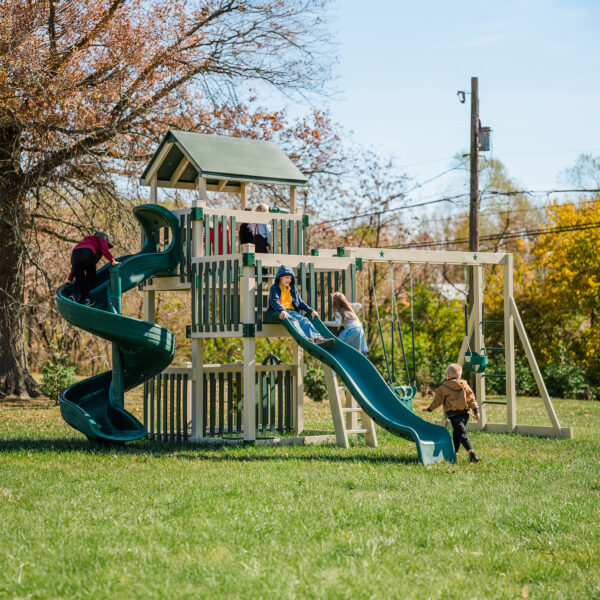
512 322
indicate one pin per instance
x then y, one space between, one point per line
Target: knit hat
103 235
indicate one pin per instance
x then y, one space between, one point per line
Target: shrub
314 382
56 374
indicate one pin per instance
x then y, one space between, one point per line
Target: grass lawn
154 520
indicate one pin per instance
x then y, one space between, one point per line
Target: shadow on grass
239 453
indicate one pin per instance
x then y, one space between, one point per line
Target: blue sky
538 63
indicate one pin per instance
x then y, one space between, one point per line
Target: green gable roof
218 157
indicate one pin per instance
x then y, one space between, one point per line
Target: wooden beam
509 346
222 185
181 167
293 196
243 194
537 374
157 163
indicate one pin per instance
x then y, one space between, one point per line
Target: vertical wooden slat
298 225
292 226
198 282
233 233
194 291
172 406
236 293
215 235
221 291
178 408
221 403
259 295
353 282
185 407
229 299
271 388
263 394
151 424
213 402
206 294
302 279
182 249
280 411
284 237
188 241
288 401
204 403
336 277
158 408
275 226
213 307
321 308
230 403
238 394
224 234
313 285
329 290
165 406
145 413
206 227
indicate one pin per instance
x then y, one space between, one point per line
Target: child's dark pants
83 263
459 431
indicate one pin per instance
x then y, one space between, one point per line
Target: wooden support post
293 195
509 346
197 389
478 339
337 414
537 374
298 402
243 194
150 306
153 191
248 295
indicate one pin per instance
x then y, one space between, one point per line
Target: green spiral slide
434 443
140 349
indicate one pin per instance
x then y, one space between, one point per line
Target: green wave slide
140 349
434 443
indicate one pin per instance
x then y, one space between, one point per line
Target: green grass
156 520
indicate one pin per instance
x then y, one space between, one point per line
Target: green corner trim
197 213
359 264
305 220
188 331
248 330
341 251
314 252
248 259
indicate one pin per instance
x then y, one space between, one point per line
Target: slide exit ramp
434 443
141 350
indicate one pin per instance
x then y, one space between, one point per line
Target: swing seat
405 393
475 362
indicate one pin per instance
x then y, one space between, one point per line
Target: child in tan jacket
457 398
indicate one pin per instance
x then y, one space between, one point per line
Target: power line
504 236
452 198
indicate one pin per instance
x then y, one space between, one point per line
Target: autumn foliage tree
87 87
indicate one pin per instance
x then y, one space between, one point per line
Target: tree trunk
15 379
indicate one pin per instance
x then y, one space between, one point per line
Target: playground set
196 251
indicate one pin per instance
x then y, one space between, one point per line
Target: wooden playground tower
201 402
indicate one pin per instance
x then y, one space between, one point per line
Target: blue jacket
275 294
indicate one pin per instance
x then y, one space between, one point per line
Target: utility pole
474 183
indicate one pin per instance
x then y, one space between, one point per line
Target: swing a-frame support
512 322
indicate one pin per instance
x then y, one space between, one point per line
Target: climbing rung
349 431
489 348
492 322
491 402
351 410
493 375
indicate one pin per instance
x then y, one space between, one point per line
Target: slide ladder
141 350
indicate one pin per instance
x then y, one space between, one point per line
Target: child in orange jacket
457 398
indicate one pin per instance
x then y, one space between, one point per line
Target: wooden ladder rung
349 431
351 410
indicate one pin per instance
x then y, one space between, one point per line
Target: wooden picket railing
167 401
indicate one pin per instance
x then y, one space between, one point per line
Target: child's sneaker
324 342
473 457
88 302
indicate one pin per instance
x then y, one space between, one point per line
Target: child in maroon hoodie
84 257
